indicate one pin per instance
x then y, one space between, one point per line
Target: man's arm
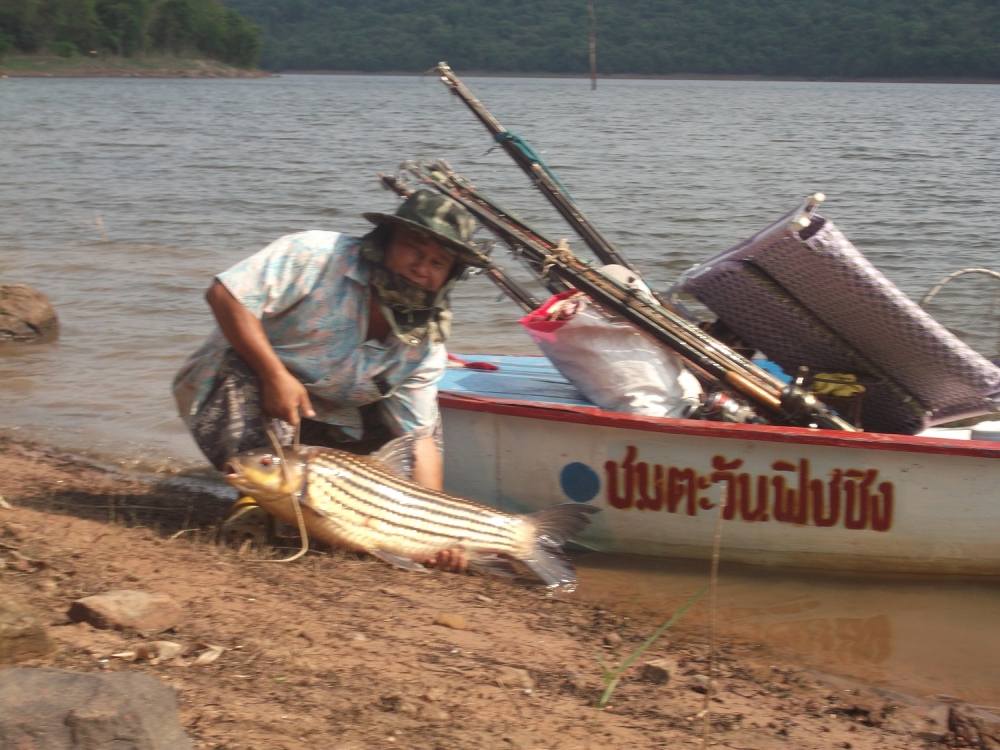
282 395
413 406
428 466
428 470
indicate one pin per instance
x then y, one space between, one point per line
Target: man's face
419 259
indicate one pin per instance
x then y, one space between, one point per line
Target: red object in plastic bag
612 362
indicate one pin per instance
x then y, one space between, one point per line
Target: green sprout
611 677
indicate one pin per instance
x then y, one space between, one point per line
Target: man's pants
231 421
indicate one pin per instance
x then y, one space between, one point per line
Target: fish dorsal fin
396 456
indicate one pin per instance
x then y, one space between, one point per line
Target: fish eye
269 461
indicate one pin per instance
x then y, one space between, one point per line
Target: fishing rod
787 403
531 163
430 173
507 285
704 351
439 173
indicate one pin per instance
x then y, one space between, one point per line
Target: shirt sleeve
273 279
413 404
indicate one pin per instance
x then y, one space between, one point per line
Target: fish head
265 475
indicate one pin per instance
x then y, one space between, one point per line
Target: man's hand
284 397
453 560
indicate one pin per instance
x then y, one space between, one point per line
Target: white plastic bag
612 362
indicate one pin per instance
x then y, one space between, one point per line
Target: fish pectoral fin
397 561
495 565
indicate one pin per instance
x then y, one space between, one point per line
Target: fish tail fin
553 528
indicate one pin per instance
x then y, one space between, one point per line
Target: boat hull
779 495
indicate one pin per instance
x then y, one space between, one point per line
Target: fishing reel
719 406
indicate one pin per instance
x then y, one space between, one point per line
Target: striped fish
366 503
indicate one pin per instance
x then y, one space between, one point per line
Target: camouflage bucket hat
439 218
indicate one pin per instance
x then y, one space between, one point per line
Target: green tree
172 28
765 37
76 23
242 41
122 25
21 22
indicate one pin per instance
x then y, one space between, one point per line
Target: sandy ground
342 651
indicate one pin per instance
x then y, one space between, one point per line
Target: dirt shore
342 651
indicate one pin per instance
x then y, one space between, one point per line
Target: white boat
522 438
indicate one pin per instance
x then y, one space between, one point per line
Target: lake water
122 197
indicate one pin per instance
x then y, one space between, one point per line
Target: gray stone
26 314
451 620
433 714
701 683
658 671
127 608
977 726
937 719
50 709
22 635
514 677
580 683
612 639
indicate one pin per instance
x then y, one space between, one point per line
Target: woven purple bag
808 297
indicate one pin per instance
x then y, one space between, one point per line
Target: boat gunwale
593 415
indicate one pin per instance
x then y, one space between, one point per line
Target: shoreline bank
46 66
338 647
24 66
647 77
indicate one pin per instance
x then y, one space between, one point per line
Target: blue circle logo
579 482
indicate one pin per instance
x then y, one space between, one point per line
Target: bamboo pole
592 45
786 404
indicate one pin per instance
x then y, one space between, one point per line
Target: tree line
806 38
129 28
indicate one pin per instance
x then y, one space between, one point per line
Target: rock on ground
26 314
51 709
127 609
22 634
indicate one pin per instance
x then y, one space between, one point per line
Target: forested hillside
128 28
813 38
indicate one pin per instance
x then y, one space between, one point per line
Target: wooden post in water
592 45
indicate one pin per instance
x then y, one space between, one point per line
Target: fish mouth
230 471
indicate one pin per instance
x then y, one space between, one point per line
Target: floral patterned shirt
310 291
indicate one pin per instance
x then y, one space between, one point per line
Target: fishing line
300 521
713 605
